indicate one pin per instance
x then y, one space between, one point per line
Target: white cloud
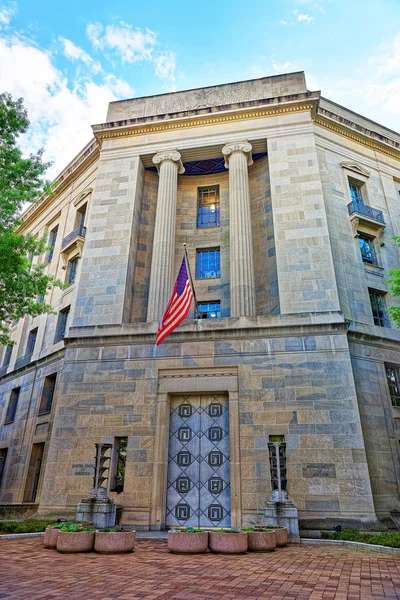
282 67
303 18
60 111
73 52
133 45
7 13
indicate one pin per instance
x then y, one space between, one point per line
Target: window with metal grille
120 450
12 406
356 192
208 206
52 243
367 248
62 324
71 270
209 310
30 345
379 308
46 401
208 263
393 379
7 356
3 458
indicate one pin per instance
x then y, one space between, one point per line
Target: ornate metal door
198 493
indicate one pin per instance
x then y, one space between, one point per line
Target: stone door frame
173 382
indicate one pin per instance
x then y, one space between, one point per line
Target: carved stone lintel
233 147
170 155
355 167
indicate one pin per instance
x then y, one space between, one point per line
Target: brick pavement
29 572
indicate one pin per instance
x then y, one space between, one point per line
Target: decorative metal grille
366 211
208 263
367 248
393 378
198 491
379 309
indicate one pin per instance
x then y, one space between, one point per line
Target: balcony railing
71 237
366 211
23 361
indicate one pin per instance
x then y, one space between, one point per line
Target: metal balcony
72 237
364 211
23 361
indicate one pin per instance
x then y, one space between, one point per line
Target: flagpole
196 315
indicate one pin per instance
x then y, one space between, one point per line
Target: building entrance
198 492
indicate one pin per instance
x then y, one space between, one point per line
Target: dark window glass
62 324
393 378
30 346
209 310
40 298
71 271
208 207
379 309
3 458
46 401
7 356
12 406
120 446
208 263
80 218
356 193
52 243
367 248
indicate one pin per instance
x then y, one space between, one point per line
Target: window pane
379 309
393 378
72 268
31 341
12 406
62 324
355 193
52 243
367 248
208 263
208 214
7 356
48 394
209 310
121 446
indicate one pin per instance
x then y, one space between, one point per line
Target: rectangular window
208 206
12 406
62 324
46 401
71 270
120 450
208 263
379 308
393 378
209 310
367 248
52 243
3 458
7 356
80 218
30 346
356 192
33 478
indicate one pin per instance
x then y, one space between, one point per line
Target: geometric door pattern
198 492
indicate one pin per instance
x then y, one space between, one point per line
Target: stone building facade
287 204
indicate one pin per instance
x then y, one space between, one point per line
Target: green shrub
379 539
24 526
325 535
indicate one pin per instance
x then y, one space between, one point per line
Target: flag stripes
178 306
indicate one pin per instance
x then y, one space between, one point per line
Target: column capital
233 147
170 155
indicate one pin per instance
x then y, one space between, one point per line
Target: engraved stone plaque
85 469
327 470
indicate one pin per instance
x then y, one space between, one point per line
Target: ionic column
168 164
237 159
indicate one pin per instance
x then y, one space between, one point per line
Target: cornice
357 137
185 123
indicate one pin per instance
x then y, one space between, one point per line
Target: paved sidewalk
29 572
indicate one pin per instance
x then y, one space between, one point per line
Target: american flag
179 305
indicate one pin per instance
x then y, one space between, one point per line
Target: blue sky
69 59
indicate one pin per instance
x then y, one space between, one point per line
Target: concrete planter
79 541
261 541
187 543
114 542
281 536
50 537
228 543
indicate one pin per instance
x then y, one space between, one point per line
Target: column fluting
237 160
169 165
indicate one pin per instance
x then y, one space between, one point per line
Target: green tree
21 182
394 289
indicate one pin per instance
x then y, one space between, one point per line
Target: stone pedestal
284 514
101 512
